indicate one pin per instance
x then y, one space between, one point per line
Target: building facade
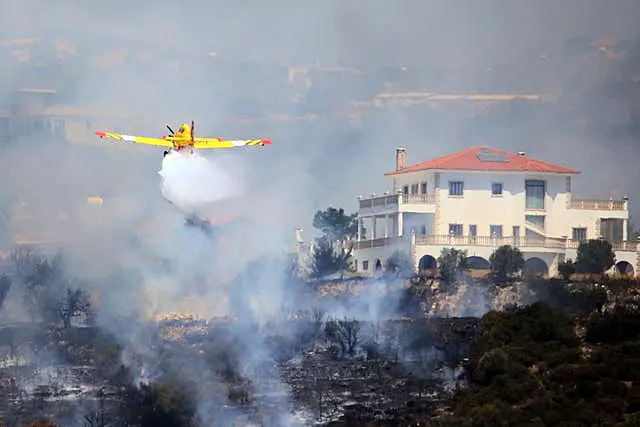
481 198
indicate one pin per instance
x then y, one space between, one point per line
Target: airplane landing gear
165 153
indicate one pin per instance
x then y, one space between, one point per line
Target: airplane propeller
192 130
170 130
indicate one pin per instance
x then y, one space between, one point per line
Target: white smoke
191 182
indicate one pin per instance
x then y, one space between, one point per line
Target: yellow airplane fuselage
181 139
181 144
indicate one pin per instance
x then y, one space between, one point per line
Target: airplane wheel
165 153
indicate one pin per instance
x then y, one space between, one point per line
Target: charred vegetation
366 351
441 347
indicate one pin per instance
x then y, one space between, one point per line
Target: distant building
408 99
37 113
481 198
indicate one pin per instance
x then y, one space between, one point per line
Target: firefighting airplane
184 140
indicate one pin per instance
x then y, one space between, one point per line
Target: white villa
479 199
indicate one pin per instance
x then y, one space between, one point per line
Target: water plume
192 182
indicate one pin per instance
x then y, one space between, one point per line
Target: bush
595 257
620 324
505 262
451 263
566 268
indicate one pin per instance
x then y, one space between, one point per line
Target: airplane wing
199 143
135 139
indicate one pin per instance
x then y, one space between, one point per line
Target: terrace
524 243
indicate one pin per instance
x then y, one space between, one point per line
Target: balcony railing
487 241
419 199
396 199
598 205
376 243
521 242
379 201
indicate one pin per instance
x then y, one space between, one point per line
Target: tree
505 262
5 286
335 224
75 303
595 256
451 263
345 334
399 264
327 259
566 268
24 261
50 293
41 283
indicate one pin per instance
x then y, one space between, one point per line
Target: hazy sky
313 166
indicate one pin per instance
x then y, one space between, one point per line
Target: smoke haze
446 48
225 65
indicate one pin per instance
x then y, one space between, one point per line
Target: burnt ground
54 373
393 370
401 377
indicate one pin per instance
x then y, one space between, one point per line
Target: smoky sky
466 46
218 61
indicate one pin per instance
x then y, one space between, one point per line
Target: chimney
401 158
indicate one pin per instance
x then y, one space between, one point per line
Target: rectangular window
455 229
534 193
516 231
423 188
414 188
579 234
496 189
365 265
473 232
611 229
59 128
423 229
456 188
405 189
495 231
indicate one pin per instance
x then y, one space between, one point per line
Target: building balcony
377 243
388 203
524 243
488 241
599 205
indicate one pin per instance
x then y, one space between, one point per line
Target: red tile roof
487 159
